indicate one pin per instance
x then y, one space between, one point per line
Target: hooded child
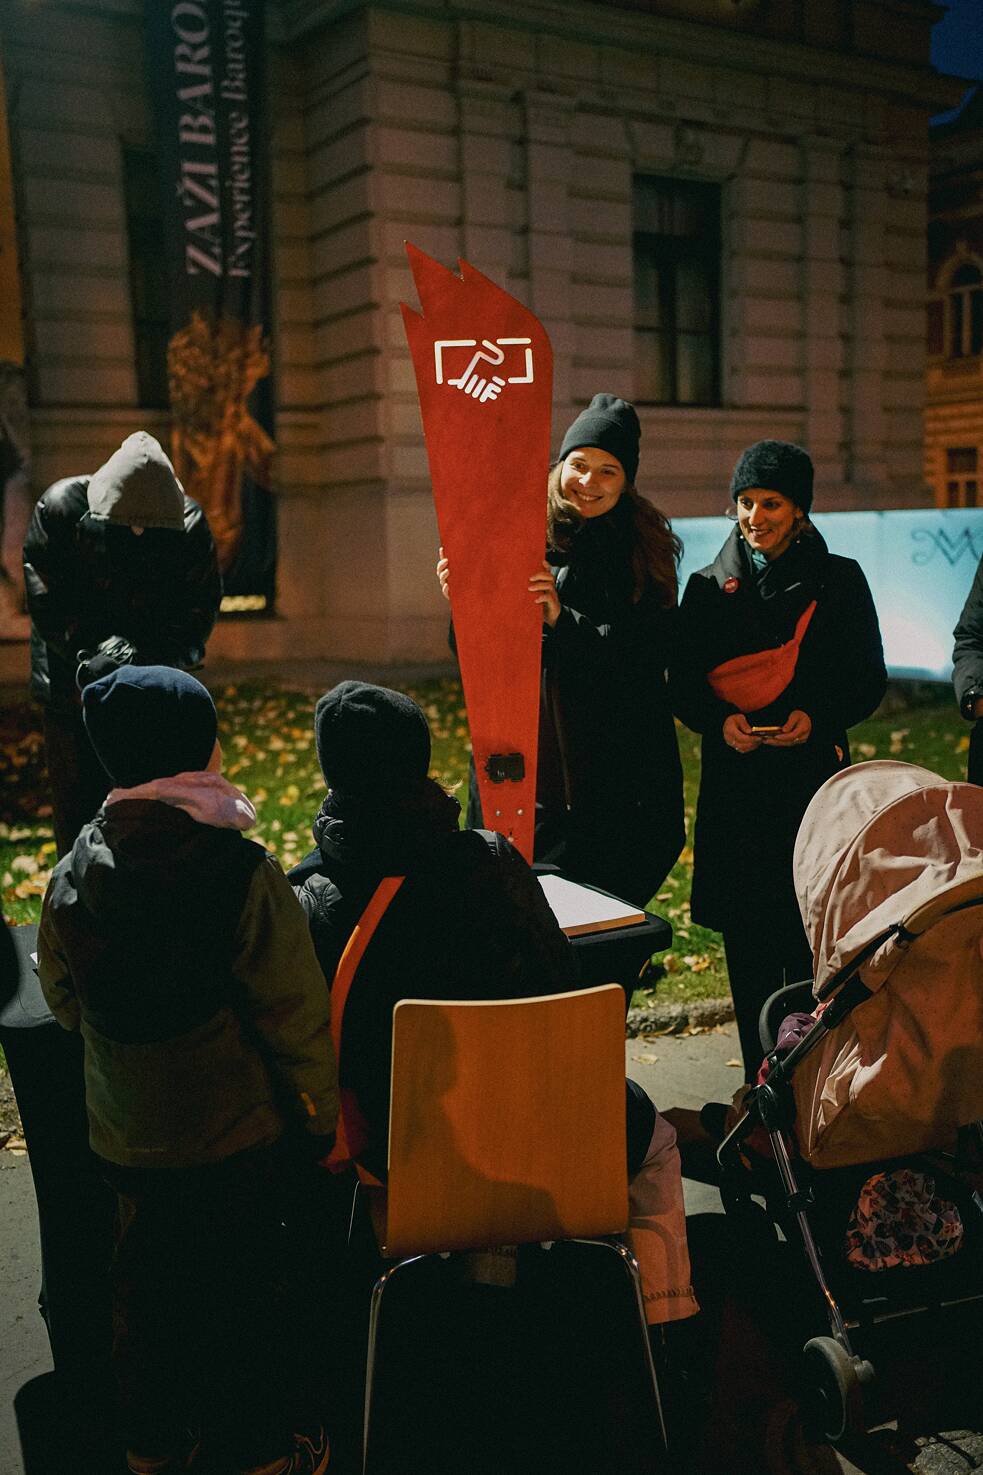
119 568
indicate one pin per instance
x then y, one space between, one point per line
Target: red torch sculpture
484 372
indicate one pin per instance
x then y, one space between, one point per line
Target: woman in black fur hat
609 787
779 652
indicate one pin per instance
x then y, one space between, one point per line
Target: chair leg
630 1266
375 1309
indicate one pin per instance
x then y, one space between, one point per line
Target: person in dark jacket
609 786
176 947
119 567
469 921
967 672
779 652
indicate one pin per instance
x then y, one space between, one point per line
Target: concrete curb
678 1014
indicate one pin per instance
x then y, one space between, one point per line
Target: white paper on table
580 909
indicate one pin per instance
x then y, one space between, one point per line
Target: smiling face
768 521
592 480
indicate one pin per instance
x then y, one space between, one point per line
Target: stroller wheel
834 1389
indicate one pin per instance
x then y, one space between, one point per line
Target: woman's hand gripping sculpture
542 584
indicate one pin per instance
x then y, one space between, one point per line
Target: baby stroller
888 1080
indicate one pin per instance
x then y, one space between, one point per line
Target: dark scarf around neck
385 831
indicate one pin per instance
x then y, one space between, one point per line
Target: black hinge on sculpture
502 767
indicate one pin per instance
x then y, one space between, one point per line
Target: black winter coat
87 581
750 805
469 922
609 788
967 669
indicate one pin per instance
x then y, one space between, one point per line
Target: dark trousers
765 956
203 1330
77 781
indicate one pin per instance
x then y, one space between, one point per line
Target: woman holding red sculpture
609 788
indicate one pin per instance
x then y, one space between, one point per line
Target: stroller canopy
882 843
885 843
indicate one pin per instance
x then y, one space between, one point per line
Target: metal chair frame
560 1011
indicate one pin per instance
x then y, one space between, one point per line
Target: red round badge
731 585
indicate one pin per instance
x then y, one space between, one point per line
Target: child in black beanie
176 947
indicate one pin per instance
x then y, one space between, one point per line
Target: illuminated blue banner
919 565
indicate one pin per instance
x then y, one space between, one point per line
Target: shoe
309 1457
169 1464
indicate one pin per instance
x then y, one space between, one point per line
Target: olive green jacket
180 952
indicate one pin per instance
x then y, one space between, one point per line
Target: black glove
108 656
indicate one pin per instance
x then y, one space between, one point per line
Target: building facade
954 379
716 209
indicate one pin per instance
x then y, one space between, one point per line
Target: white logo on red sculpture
475 381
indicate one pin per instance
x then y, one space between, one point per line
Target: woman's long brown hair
656 550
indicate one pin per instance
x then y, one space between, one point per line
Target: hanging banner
15 500
484 373
11 326
207 82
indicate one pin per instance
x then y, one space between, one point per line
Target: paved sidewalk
22 1335
688 1070
677 1070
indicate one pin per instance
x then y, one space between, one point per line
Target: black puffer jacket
88 580
609 787
469 922
750 805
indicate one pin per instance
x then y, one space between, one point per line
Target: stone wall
509 135
954 385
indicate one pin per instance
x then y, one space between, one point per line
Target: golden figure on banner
212 368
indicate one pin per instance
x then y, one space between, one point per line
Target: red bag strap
351 1136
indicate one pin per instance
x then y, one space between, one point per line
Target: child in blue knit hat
176 947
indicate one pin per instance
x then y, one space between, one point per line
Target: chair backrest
507 1121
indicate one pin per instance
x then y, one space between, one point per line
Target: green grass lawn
269 753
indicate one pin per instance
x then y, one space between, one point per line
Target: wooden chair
507 1127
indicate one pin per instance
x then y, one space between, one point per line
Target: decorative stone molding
688 146
484 104
900 181
548 114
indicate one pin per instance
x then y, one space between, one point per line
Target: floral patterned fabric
900 1220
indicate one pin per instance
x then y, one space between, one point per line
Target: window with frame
149 286
962 480
964 303
677 249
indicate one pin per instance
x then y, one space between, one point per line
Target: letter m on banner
484 372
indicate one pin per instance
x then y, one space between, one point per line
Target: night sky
957 41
